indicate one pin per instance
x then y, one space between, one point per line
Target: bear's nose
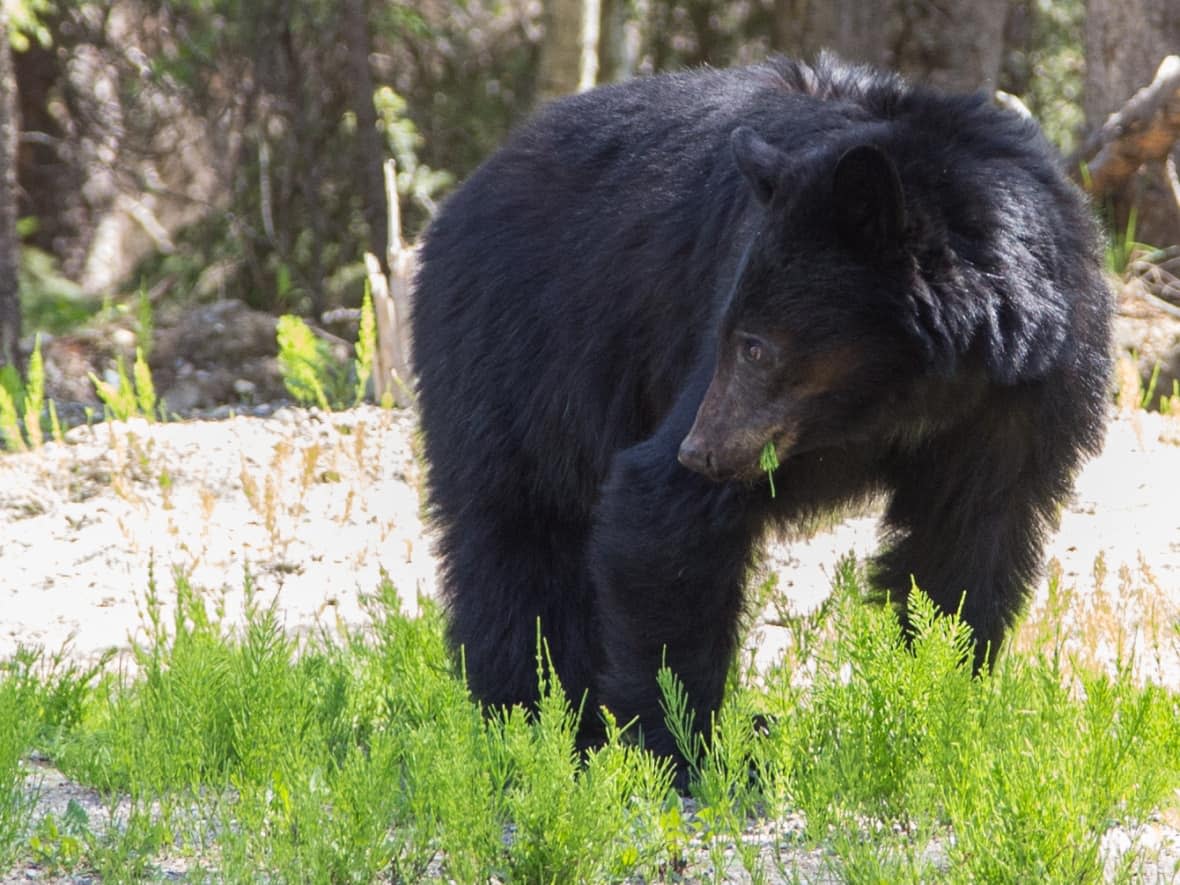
696 457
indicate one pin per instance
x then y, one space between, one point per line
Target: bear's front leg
968 519
668 555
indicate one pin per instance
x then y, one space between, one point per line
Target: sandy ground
316 507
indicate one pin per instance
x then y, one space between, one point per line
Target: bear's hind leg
506 572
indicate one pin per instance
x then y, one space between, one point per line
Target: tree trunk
618 40
569 53
958 44
10 312
370 152
1125 42
305 115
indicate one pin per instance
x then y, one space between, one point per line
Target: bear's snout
698 458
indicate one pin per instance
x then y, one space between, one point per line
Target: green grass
16 740
23 407
255 756
313 375
1024 774
130 396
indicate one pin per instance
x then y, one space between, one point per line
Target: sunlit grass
248 754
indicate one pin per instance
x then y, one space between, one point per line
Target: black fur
896 287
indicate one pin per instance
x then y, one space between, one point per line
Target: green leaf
118 398
9 420
769 462
35 396
302 361
145 390
366 345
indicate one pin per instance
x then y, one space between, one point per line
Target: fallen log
1146 128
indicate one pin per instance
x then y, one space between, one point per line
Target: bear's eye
752 350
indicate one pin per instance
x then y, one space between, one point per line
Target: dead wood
391 303
1144 129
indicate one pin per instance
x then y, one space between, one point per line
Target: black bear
649 282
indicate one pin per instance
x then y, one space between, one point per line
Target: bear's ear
759 161
868 200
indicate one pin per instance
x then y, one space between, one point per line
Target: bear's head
812 343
